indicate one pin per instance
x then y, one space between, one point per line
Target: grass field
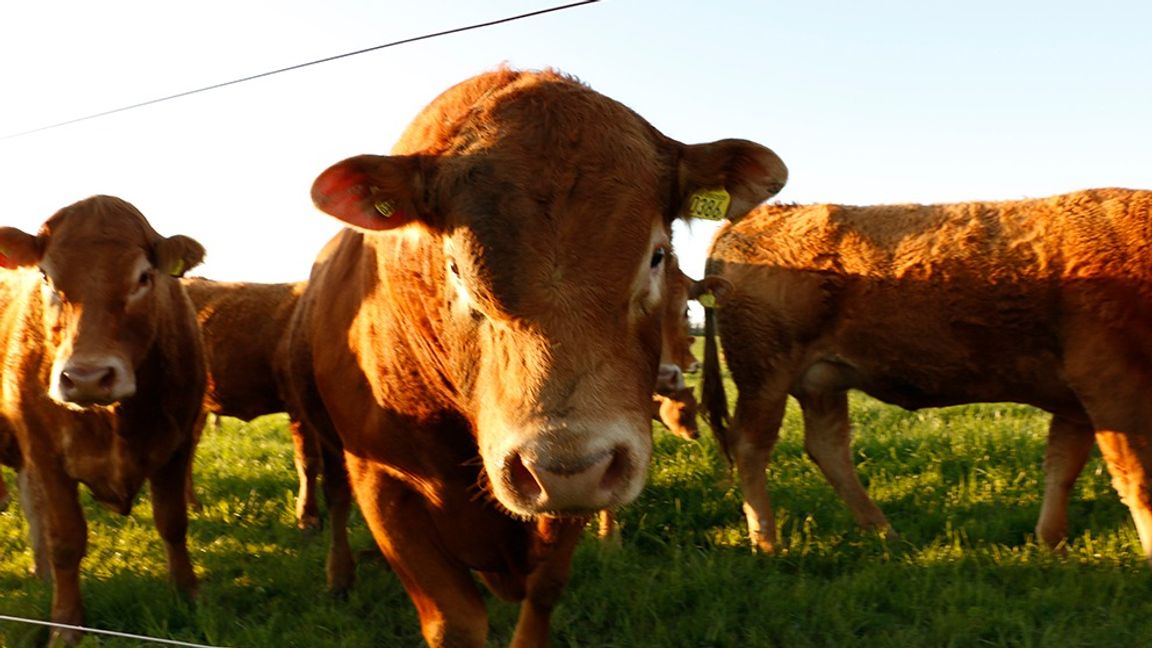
961 485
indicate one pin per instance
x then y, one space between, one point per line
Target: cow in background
102 381
674 402
481 346
244 325
1046 302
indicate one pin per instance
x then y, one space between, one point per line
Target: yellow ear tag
177 268
386 208
707 300
709 204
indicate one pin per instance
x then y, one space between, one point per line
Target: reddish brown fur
1045 302
486 364
118 406
244 325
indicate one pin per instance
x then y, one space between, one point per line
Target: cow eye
453 267
143 283
657 257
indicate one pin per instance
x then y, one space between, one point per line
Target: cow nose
669 380
91 384
587 483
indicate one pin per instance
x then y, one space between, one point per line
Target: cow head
547 210
104 271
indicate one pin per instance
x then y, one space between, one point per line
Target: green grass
961 485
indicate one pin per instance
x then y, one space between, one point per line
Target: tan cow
1045 302
244 325
103 377
483 345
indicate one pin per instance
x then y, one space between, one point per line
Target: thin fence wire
112 633
327 59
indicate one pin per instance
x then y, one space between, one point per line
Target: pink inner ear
343 191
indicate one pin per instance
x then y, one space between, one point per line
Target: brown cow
674 403
483 346
244 325
1044 302
103 377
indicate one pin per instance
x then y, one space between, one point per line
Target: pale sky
867 102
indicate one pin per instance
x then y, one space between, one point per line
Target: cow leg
754 432
30 503
306 456
63 533
450 607
170 514
607 530
341 566
197 432
1069 446
553 545
827 440
1129 459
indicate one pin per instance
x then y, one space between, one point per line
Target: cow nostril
618 471
108 379
523 481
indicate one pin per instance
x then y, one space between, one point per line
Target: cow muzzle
554 474
669 380
92 381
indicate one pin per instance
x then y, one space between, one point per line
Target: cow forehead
106 266
95 240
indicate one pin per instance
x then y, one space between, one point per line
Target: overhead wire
290 68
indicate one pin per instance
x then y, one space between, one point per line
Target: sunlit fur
1046 302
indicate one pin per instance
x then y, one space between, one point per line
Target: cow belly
923 379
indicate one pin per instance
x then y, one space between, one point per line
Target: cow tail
713 400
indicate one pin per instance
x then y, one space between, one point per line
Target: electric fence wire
290 68
113 633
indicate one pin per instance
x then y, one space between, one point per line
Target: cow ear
711 291
178 254
372 192
727 178
18 249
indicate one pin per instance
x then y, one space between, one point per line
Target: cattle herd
476 359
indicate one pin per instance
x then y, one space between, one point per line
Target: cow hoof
60 637
762 545
310 524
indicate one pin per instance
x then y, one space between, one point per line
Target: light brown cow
103 377
483 346
245 325
1045 302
